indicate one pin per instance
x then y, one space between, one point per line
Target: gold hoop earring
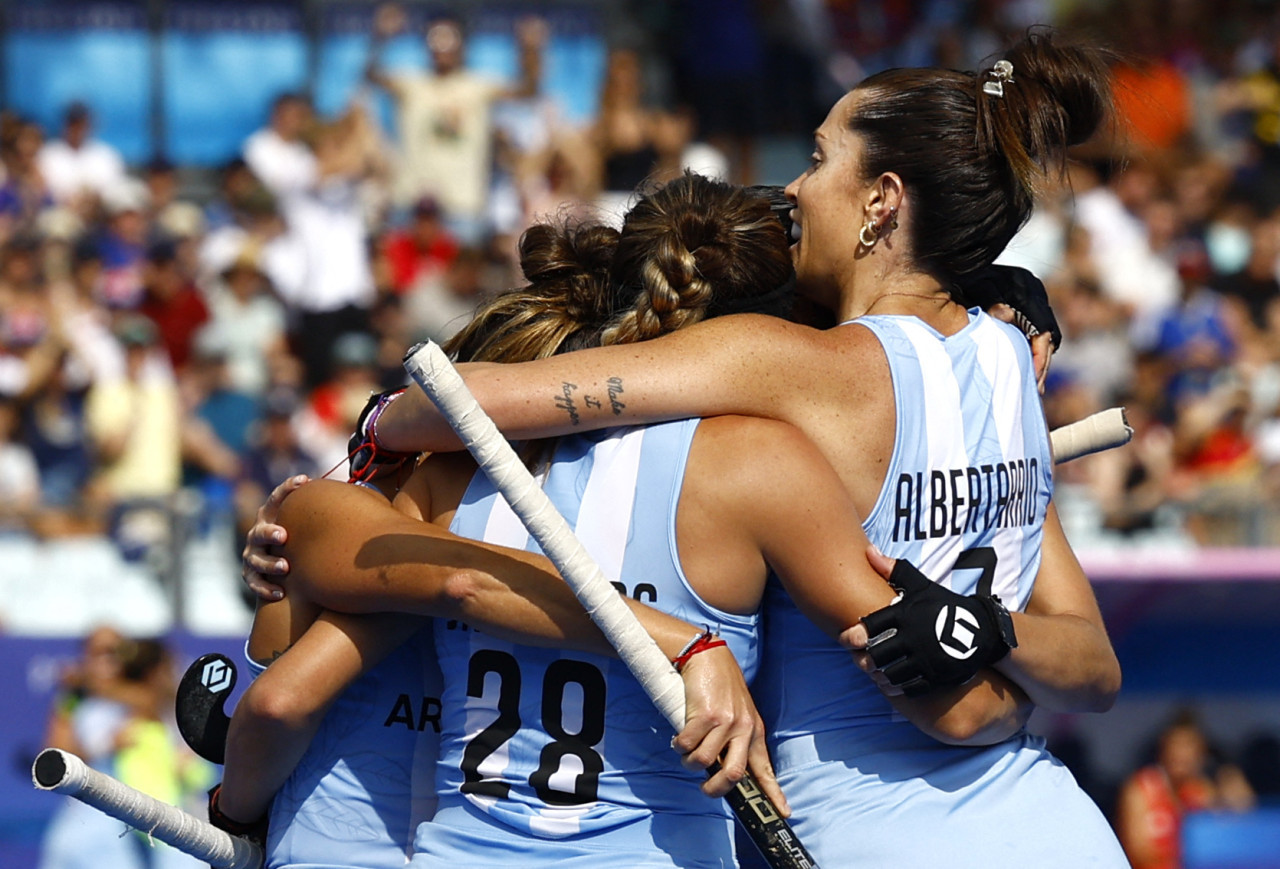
869 227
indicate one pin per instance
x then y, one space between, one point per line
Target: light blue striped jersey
969 481
365 783
564 748
964 498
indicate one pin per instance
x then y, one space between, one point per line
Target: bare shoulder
314 501
750 459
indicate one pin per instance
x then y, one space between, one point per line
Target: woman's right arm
744 364
350 551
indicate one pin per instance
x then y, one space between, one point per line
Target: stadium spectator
217 423
1182 779
19 474
24 193
133 425
123 245
250 321
438 308
275 453
278 154
78 166
418 253
445 120
328 224
171 301
93 704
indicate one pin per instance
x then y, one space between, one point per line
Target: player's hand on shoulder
257 562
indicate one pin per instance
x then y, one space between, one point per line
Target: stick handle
1093 434
65 773
431 369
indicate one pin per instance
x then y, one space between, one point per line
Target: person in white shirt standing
77 164
277 154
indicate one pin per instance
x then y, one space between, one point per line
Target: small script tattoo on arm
565 402
615 389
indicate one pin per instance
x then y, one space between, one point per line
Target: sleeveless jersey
964 498
549 756
365 782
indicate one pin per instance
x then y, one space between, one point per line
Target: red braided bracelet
708 639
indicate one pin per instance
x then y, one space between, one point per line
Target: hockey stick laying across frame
65 773
208 682
431 369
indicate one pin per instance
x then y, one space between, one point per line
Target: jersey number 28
564 744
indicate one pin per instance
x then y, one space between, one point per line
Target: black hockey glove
365 459
1020 290
932 638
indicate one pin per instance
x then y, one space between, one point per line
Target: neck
919 296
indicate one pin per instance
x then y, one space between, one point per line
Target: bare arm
349 550
280 712
388 20
745 364
1064 659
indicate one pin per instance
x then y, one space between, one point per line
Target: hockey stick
199 705
65 773
431 370
1095 433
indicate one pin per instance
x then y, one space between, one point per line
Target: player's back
553 756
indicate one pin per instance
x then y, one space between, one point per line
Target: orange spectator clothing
1153 104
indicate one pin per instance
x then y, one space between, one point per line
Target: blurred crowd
163 333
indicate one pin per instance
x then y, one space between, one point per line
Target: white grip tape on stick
65 773
1095 433
431 369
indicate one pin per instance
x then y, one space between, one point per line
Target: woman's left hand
722 724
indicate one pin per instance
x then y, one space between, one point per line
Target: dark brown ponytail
973 149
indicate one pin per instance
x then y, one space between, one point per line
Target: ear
885 196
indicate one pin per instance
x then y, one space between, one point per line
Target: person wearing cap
77 163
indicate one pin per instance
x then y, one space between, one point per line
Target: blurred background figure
1185 777
114 710
77 167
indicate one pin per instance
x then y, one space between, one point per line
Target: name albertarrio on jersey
963 500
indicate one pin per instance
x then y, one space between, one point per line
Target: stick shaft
65 773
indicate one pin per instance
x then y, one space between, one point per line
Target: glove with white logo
932 638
